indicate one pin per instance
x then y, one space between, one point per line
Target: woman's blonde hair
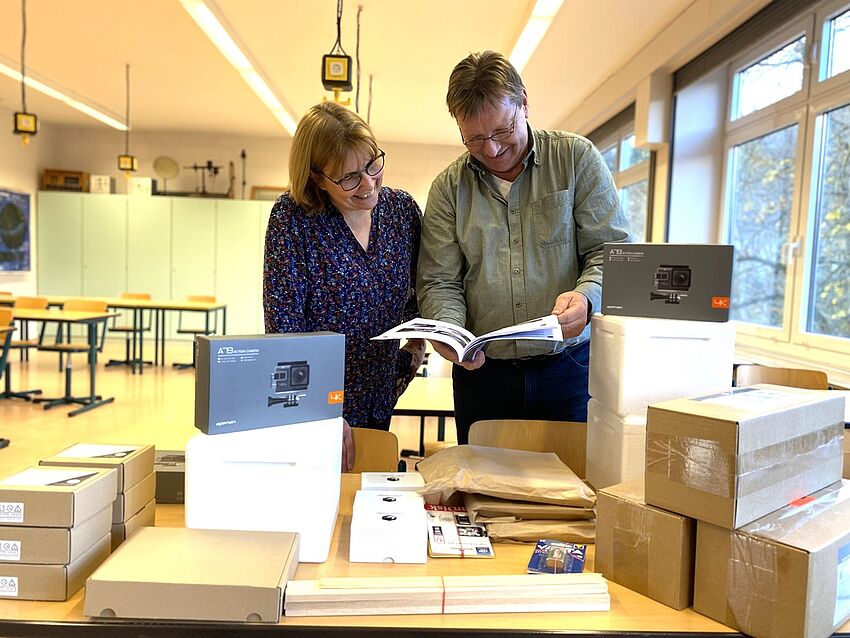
324 138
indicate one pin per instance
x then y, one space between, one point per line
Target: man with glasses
513 230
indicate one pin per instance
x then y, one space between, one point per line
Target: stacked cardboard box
635 361
54 530
388 527
134 504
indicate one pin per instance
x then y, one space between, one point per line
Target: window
630 168
786 190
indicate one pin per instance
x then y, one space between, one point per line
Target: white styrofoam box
388 527
616 446
635 361
280 479
391 481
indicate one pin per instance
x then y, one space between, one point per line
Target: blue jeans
550 387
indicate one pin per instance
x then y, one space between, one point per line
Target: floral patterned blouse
318 277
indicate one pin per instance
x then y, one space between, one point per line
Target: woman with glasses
340 255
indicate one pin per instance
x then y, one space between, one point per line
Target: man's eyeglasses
352 180
497 136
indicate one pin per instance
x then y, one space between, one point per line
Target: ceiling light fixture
74 103
127 162
211 24
336 65
538 24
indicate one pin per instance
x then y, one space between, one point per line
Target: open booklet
466 344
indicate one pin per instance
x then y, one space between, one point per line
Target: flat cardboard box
170 469
146 517
643 548
279 379
733 457
129 503
55 496
786 574
668 281
51 582
398 481
133 462
190 574
52 545
388 527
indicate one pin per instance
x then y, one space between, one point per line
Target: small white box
635 361
388 527
280 479
616 446
397 481
141 186
102 184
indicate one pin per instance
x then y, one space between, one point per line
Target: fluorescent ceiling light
541 17
49 91
211 25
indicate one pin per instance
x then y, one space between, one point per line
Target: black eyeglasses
497 136
352 180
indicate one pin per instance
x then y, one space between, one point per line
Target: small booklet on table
466 344
452 533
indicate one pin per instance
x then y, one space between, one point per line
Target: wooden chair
567 439
797 378
195 330
23 345
124 324
374 450
71 347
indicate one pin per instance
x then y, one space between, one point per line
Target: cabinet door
192 250
60 243
104 245
239 265
149 246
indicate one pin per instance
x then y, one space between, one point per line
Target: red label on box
720 302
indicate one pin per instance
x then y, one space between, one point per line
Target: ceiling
180 82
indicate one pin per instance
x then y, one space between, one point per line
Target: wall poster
14 231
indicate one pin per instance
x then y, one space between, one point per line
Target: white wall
410 167
20 170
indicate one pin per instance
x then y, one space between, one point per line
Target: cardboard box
53 545
55 496
284 479
189 574
170 469
636 361
731 458
146 517
646 549
129 503
132 462
396 481
667 281
51 582
278 379
616 446
786 574
388 527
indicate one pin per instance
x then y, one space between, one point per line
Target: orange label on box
720 302
336 396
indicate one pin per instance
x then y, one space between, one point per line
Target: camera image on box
671 283
288 381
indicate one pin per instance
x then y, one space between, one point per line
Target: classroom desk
424 397
88 319
631 614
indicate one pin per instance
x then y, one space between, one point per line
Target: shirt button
516 241
518 304
517 271
514 211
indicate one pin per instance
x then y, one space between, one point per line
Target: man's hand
449 355
571 310
347 447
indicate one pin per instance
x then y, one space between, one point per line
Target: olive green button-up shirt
487 262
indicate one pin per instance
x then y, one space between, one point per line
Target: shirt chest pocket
552 219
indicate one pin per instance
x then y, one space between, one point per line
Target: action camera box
252 382
667 281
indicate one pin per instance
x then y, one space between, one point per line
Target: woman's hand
416 347
347 447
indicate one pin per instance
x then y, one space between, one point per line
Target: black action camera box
667 281
251 382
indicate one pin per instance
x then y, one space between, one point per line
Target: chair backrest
207 298
797 378
374 450
135 295
37 303
5 317
567 439
88 305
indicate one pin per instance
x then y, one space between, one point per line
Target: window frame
823 15
635 173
